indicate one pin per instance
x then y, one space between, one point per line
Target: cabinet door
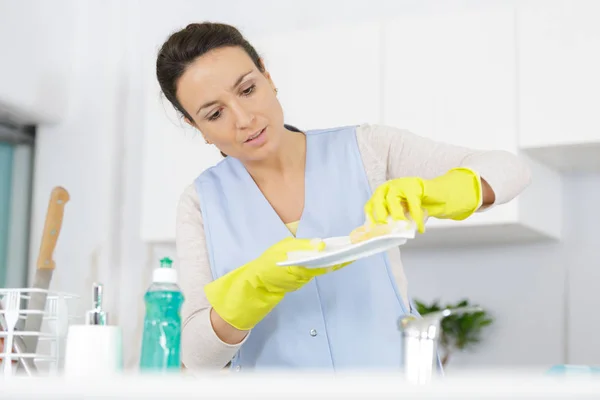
326 76
559 79
451 77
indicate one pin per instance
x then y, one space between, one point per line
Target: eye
214 116
248 91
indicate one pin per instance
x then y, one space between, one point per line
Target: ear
261 62
193 125
190 123
266 73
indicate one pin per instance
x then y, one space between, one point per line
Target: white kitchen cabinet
452 77
533 216
327 76
559 83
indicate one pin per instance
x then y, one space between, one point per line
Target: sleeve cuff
218 339
480 207
483 208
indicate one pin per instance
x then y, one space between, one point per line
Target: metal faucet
420 339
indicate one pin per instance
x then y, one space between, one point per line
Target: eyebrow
237 82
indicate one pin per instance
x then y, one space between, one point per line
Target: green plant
460 331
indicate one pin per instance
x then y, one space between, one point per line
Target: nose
244 118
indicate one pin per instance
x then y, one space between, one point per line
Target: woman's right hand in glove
244 296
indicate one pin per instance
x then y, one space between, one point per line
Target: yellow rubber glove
455 195
244 296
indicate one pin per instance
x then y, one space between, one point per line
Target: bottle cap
166 262
96 316
166 273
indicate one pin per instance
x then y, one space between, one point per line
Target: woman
276 189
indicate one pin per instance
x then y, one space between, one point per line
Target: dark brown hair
185 46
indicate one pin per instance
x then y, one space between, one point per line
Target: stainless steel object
96 316
420 339
19 347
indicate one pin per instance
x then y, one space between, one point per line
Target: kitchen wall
95 153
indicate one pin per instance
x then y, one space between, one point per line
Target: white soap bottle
95 348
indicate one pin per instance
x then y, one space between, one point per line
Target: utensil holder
47 359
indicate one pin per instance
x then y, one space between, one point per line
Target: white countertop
302 385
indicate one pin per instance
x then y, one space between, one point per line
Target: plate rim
404 236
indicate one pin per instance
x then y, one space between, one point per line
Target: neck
288 161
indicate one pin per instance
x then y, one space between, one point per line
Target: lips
254 136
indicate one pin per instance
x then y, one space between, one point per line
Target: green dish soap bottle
161 341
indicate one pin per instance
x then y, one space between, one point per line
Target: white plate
339 250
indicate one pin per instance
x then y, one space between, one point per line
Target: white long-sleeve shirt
387 153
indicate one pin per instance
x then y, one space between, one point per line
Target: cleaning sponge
369 230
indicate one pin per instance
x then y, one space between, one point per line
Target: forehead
216 70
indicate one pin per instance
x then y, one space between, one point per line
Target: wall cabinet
559 83
452 77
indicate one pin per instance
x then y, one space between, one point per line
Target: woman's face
232 103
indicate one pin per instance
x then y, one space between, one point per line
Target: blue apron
346 319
